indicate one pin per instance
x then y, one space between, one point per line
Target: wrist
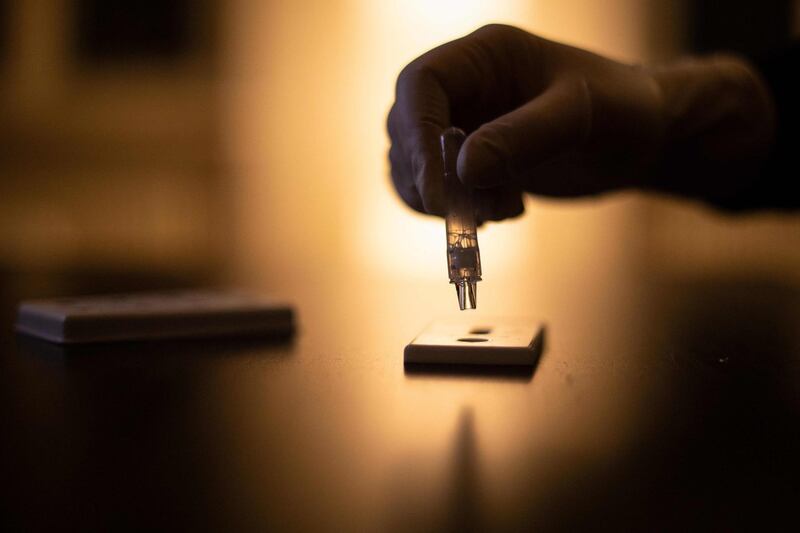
699 95
719 125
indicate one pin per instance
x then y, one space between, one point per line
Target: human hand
554 120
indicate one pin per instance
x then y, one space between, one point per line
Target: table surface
658 401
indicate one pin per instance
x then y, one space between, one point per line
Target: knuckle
391 119
395 156
496 140
494 30
412 76
394 128
504 34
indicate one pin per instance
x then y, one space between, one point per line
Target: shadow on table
464 508
451 503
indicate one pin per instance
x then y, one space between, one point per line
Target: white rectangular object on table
161 315
474 341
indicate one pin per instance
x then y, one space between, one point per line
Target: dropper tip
473 294
467 294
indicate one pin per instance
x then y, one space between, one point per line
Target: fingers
508 149
417 118
464 82
490 204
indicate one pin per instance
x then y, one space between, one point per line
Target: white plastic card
471 341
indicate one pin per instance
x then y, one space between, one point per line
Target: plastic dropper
463 255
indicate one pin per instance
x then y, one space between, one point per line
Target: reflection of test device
463 256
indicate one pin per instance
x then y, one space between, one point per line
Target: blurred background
166 142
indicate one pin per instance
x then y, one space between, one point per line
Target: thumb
509 147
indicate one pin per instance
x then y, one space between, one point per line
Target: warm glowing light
308 88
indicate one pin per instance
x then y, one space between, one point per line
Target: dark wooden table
659 402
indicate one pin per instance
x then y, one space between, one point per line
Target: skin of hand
549 119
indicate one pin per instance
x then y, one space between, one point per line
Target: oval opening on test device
471 339
480 331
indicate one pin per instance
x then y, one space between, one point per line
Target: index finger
422 112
